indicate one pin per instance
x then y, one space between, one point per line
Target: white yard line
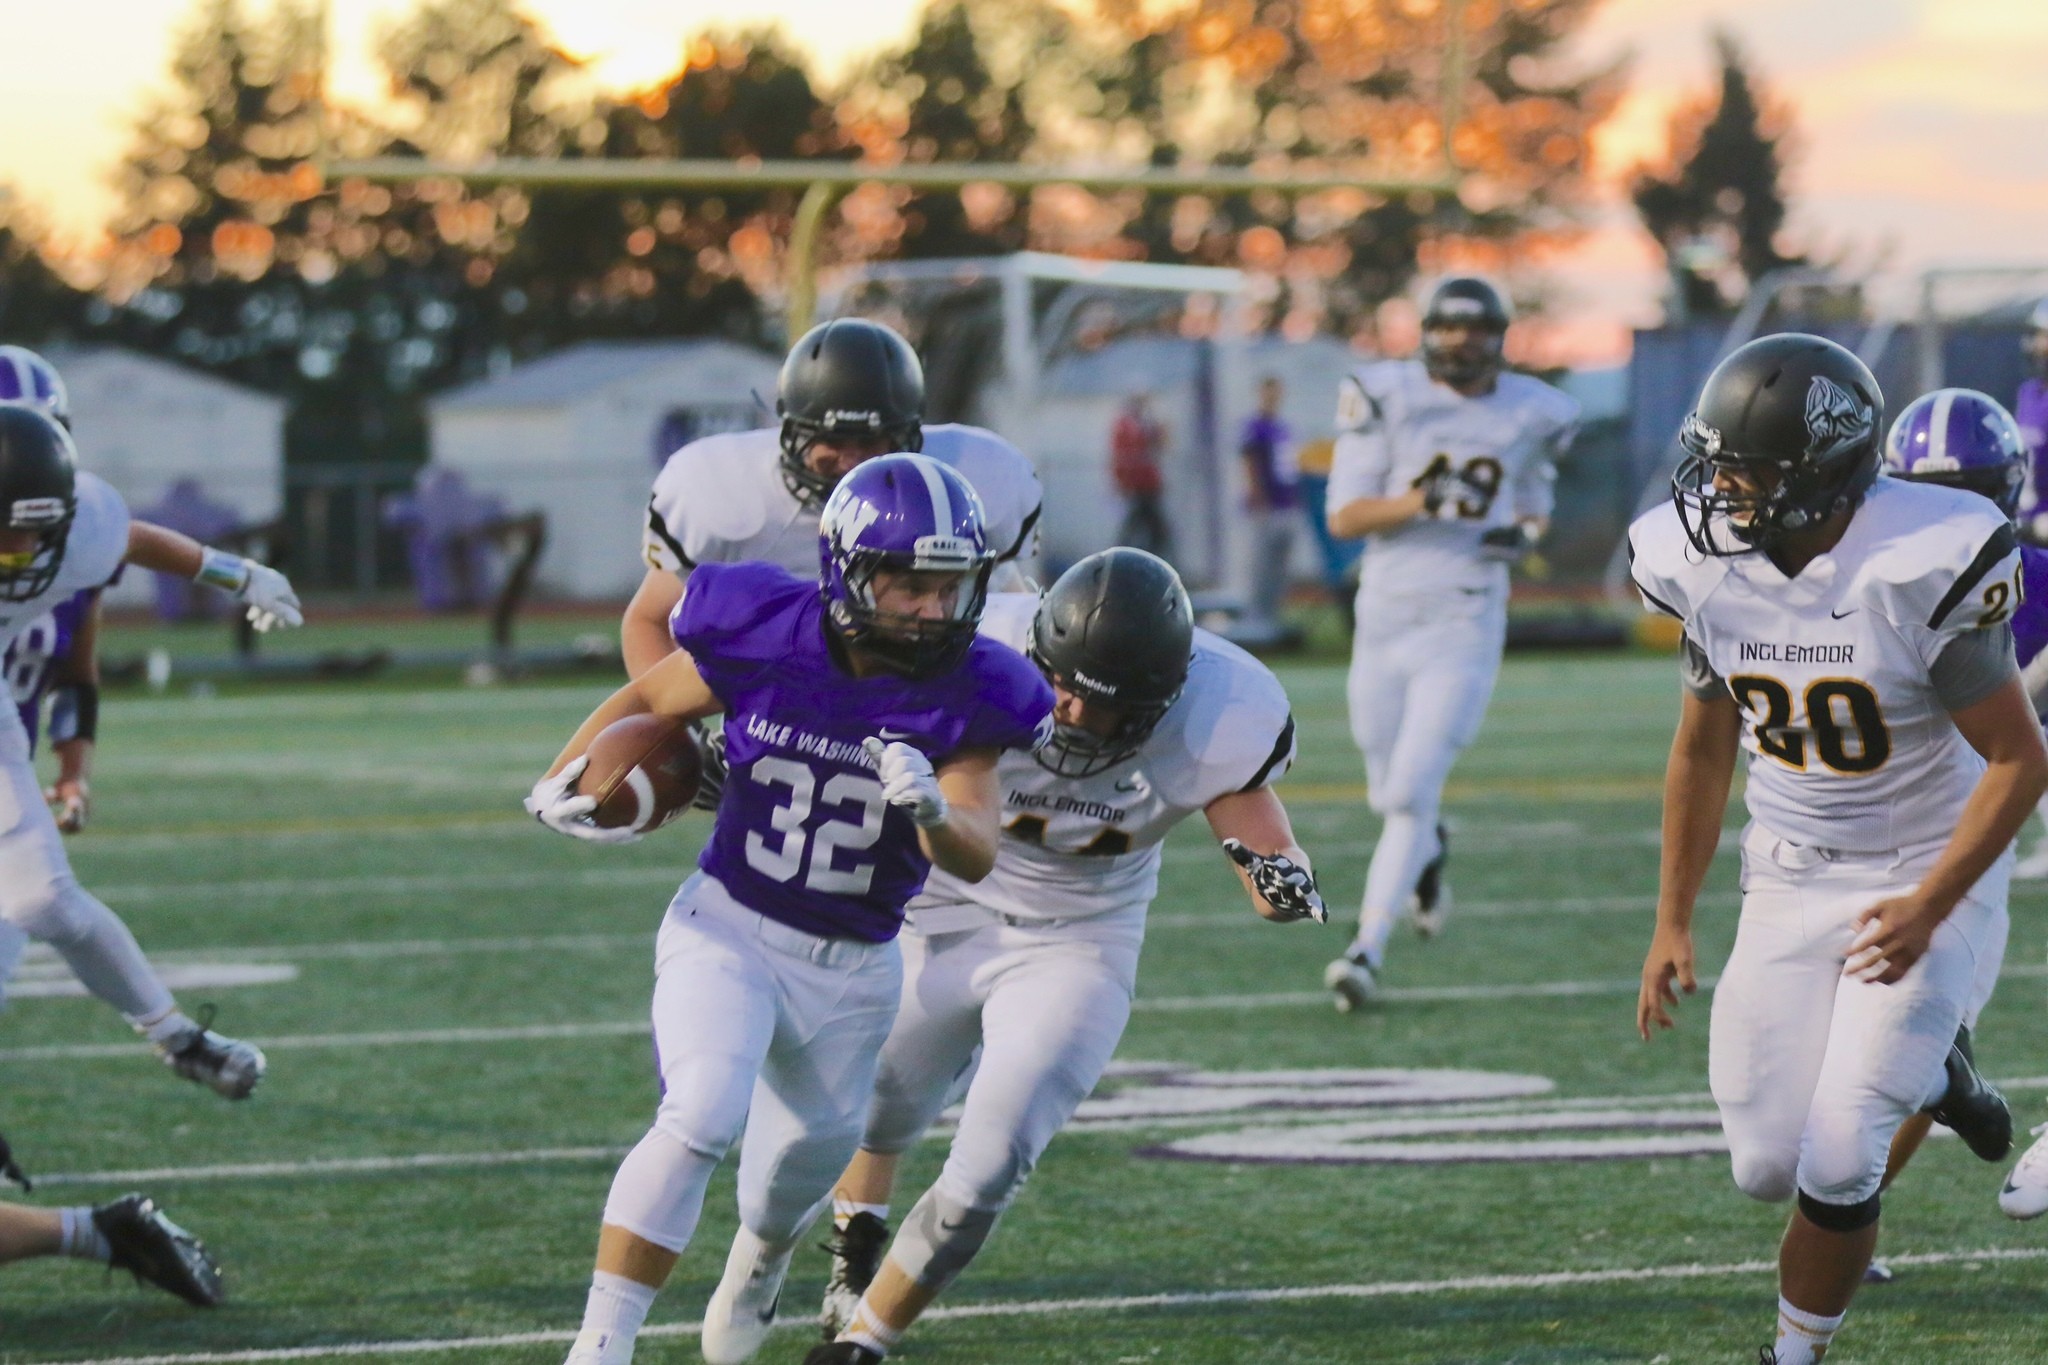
264 888
366 1165
1039 1308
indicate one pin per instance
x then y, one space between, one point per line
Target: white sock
167 1025
78 1236
867 1329
843 1211
613 1315
1803 1337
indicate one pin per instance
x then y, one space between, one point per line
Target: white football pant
1814 1071
1046 1005
1422 672
761 1027
40 896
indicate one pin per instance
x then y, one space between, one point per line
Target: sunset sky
1919 122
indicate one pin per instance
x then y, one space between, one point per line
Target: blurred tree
1718 206
37 304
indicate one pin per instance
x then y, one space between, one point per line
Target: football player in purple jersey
863 717
1965 439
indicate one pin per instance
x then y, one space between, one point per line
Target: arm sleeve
1972 666
658 547
1697 672
1362 458
1535 494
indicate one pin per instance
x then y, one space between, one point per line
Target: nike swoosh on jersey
1838 615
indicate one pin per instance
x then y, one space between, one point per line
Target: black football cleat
842 1353
227 1066
1432 903
1973 1107
157 1251
856 1251
8 1169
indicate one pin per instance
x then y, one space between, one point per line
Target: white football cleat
2026 1190
595 1347
1351 980
741 1313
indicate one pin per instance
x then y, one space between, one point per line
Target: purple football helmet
903 513
26 377
1963 439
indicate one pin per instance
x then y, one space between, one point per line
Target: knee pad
704 1103
940 1238
45 907
1764 1177
1839 1217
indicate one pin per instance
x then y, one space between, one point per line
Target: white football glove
1281 882
271 601
908 781
555 803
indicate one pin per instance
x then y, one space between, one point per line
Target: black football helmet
1116 629
1468 301
1797 410
847 378
39 494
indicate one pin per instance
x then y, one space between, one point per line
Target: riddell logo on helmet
29 512
1701 437
837 417
1094 684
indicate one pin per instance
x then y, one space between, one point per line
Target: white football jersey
1397 427
1073 848
92 552
1850 746
721 500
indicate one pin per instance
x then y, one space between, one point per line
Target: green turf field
456 1023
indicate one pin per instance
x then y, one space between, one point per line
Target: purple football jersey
2030 622
31 659
802 833
2031 412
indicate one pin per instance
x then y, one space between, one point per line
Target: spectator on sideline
1270 504
1312 471
1134 445
2031 412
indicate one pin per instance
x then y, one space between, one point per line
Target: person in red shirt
1134 445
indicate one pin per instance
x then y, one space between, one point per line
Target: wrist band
219 569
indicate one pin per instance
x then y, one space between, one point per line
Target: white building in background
144 424
580 433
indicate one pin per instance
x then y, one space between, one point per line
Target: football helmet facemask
848 379
1790 423
1469 302
903 513
1116 630
38 498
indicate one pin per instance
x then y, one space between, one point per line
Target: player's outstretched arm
1254 830
74 723
644 636
955 806
1696 784
1894 934
267 593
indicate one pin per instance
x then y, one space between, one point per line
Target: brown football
644 772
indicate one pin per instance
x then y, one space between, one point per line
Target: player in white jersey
1031 971
1445 466
63 531
850 390
1851 632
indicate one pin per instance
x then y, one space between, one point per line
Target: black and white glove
711 782
1439 490
908 780
1507 544
1282 883
555 803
